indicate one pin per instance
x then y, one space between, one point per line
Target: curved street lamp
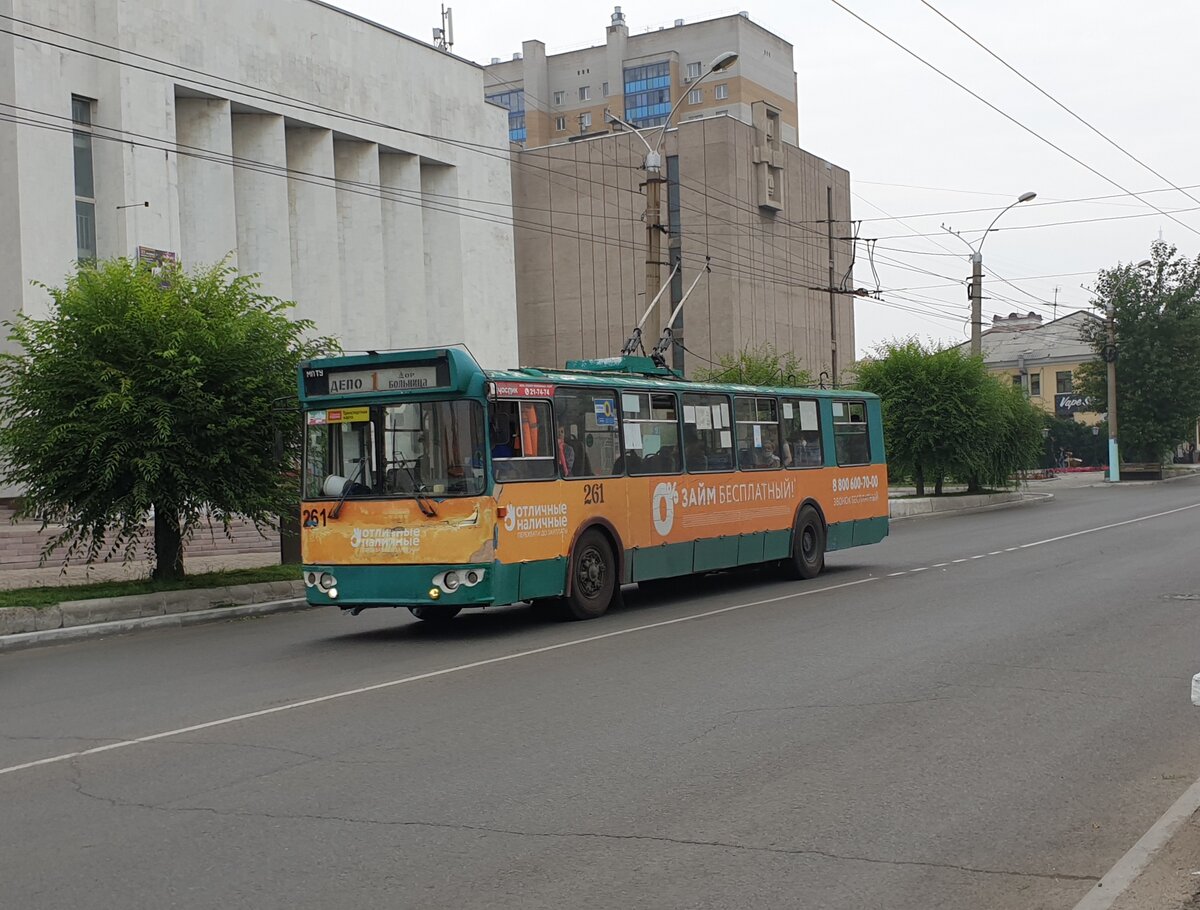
654 178
976 289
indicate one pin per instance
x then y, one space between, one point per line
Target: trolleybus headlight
310 579
327 581
451 581
472 577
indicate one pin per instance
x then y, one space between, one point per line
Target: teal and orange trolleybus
433 484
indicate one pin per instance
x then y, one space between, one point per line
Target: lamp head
1025 197
723 61
1144 264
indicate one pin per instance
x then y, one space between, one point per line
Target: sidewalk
53 575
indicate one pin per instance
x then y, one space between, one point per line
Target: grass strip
48 596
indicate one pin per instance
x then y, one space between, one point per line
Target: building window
1017 381
1035 384
585 120
585 93
1062 380
85 179
560 124
604 89
722 91
648 94
694 71
514 101
696 96
560 97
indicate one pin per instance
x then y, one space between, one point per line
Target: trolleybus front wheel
593 577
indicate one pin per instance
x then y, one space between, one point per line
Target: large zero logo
662 508
510 519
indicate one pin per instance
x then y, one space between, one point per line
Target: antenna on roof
658 355
444 37
634 341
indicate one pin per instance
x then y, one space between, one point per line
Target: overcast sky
919 147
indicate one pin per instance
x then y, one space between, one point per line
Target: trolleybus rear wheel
808 545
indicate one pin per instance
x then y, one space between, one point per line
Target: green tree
762 365
1157 318
945 417
150 392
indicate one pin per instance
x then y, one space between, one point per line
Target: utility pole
1110 355
653 217
976 295
833 339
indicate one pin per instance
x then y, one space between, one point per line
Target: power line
1010 118
1030 82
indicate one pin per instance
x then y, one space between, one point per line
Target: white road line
956 561
1105 892
291 706
995 552
1118 524
938 565
895 574
922 569
980 556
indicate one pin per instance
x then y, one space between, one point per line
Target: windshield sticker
348 415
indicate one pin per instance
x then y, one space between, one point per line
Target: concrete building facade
771 221
640 76
332 156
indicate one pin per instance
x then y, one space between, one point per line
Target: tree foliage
762 365
1157 320
151 391
945 417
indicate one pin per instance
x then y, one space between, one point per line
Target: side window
801 435
850 432
707 433
585 438
757 433
650 424
522 440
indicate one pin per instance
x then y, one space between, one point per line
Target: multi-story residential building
640 76
324 152
772 220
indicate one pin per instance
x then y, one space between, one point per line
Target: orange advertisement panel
540 519
397 532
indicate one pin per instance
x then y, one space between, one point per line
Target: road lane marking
404 680
1117 879
1117 524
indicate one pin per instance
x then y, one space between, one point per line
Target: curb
901 509
20 640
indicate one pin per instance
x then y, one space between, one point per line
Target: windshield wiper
347 488
424 503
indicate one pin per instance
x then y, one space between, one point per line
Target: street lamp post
1096 444
976 289
1049 457
654 180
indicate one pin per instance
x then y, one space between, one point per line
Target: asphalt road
992 732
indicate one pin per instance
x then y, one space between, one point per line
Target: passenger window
851 437
522 442
757 433
650 425
801 435
707 433
586 443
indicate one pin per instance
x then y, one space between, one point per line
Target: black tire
593 580
435 615
808 545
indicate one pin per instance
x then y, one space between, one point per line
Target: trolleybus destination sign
414 378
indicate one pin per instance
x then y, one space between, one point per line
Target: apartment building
639 76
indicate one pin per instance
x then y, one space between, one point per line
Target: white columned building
343 162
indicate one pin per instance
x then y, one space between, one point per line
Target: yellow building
1043 358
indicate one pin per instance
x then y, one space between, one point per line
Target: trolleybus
433 484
